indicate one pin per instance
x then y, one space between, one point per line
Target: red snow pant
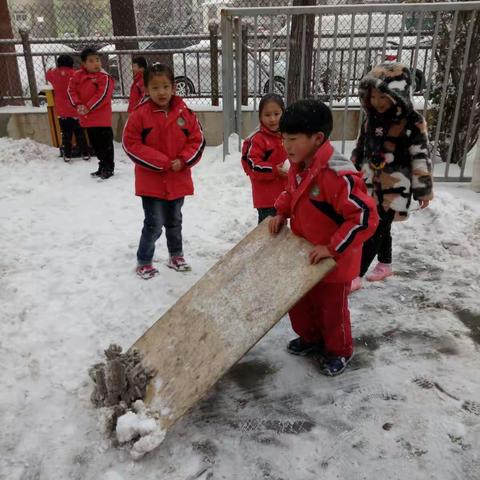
322 315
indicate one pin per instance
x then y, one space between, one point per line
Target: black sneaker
334 365
106 174
98 173
300 347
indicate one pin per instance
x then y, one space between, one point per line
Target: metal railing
332 47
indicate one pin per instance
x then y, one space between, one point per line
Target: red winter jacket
93 90
261 153
137 92
60 78
153 138
328 204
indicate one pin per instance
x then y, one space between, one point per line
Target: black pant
71 126
380 243
101 139
263 213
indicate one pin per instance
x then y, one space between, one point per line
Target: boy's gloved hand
319 252
275 224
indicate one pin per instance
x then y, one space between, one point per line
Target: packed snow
407 408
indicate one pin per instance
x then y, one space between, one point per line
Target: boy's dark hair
155 69
271 97
87 51
307 116
140 61
65 61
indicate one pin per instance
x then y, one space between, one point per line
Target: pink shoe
380 272
356 284
146 271
178 263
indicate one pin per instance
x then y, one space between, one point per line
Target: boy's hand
281 172
319 252
177 165
82 109
424 203
275 224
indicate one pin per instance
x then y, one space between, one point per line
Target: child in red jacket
263 156
165 140
59 78
90 92
328 204
137 90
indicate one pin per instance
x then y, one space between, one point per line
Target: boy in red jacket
137 90
59 78
165 140
90 92
328 204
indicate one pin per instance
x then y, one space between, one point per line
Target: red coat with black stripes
153 138
137 91
60 79
328 204
262 153
94 91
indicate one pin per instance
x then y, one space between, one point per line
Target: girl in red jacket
263 156
137 90
67 115
328 205
165 140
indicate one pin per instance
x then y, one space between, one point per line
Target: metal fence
323 51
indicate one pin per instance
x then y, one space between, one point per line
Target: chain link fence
178 33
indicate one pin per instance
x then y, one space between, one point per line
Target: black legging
380 243
69 127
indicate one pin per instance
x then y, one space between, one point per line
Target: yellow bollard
55 132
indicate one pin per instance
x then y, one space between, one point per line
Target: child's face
270 116
380 101
93 64
136 68
301 147
160 89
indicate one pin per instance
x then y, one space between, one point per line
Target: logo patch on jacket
315 191
181 122
379 131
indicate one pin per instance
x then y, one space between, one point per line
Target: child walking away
392 152
137 90
165 140
90 92
328 204
59 78
263 157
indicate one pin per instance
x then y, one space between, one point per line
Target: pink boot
356 284
380 272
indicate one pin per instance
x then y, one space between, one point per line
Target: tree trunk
124 25
294 90
10 83
459 138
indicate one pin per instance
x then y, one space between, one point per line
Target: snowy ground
408 408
